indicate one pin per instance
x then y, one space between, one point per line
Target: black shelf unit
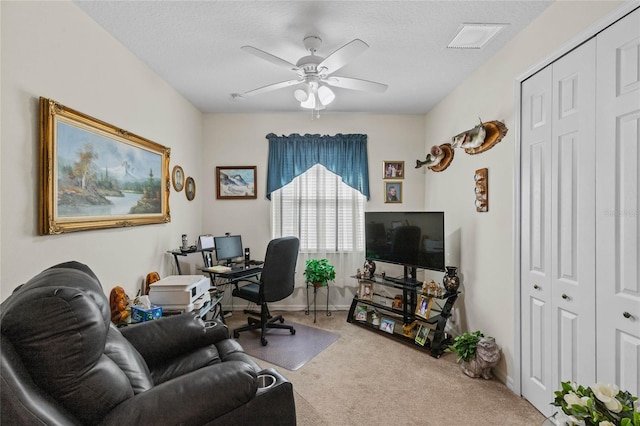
437 341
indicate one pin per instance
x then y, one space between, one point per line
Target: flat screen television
412 239
228 248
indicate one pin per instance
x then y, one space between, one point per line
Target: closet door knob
536 286
564 296
626 315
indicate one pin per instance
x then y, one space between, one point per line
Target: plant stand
315 291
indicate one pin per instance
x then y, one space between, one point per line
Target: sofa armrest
195 398
169 337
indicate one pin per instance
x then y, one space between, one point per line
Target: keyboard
243 272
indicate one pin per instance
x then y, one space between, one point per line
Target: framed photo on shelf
387 325
393 192
361 313
423 307
393 169
421 336
236 182
365 292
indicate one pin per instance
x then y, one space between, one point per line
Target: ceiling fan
315 73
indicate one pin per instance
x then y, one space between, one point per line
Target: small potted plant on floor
476 353
319 272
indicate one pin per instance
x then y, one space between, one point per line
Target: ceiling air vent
474 36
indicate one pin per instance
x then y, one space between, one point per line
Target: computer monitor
228 248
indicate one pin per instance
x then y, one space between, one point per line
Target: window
325 213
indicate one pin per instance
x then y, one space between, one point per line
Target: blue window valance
344 155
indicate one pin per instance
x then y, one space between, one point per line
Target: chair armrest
195 398
168 337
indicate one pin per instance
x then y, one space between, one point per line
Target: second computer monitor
228 248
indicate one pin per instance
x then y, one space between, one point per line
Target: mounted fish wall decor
482 137
479 139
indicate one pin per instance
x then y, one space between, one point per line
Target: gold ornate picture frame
94 175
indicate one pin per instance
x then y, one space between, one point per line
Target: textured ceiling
195 46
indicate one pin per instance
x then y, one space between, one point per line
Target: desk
179 252
236 274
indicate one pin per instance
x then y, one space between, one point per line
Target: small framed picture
190 191
236 182
421 337
365 292
387 325
361 313
177 178
423 307
393 169
393 192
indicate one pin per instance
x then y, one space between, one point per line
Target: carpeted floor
368 378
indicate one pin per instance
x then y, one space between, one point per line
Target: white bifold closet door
618 204
558 226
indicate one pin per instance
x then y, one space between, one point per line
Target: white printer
180 292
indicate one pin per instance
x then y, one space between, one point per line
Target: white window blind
323 212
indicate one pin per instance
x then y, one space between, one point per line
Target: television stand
432 323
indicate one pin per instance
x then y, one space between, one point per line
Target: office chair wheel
263 341
293 331
236 334
281 320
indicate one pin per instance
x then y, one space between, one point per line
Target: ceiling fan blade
271 87
269 57
340 57
356 84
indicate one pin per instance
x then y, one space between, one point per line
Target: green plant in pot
476 353
319 272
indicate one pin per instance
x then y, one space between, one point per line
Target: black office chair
276 283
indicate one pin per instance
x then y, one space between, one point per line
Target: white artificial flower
636 405
607 394
572 399
606 423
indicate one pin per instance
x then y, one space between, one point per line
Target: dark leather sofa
64 363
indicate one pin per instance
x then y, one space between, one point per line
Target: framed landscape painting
236 182
94 175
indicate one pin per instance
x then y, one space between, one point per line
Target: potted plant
476 353
319 272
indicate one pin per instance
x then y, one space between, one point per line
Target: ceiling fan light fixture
310 102
326 95
301 95
474 36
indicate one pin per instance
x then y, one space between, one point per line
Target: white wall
53 49
240 140
486 239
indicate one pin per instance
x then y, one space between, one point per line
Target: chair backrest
56 331
278 271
